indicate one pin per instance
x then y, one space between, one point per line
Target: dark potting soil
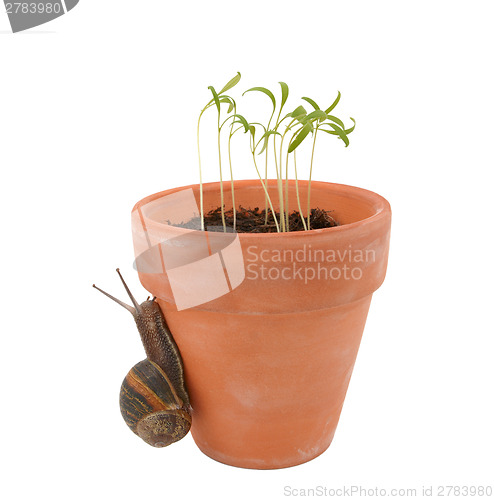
254 220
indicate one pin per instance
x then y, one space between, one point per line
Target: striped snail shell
153 398
151 407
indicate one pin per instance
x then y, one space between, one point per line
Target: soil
254 220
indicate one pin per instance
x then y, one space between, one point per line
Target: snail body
153 397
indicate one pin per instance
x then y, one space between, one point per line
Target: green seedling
292 131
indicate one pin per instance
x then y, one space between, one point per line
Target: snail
153 398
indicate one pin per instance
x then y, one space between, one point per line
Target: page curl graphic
24 14
199 266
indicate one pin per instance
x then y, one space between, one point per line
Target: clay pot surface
267 363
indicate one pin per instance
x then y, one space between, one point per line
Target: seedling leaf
304 131
215 97
336 120
351 129
298 112
231 83
265 91
284 94
266 138
337 131
240 119
336 101
311 102
260 124
230 101
317 114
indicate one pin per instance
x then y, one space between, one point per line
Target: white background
98 109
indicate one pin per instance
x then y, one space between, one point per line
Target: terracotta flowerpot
267 364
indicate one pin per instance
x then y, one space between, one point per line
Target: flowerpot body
268 362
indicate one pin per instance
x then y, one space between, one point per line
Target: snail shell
151 407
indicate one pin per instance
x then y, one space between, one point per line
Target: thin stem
266 181
281 157
265 191
221 176
280 186
226 119
286 190
201 196
279 175
286 193
296 189
266 167
230 162
253 149
289 126
231 177
310 178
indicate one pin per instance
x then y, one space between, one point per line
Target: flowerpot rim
380 205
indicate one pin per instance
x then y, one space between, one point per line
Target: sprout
293 130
